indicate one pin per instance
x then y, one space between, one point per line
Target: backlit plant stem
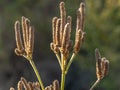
58 59
70 62
95 84
63 64
36 71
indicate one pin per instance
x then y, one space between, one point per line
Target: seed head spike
81 9
24 31
27 26
78 20
58 32
19 86
63 19
106 68
98 64
78 41
31 41
65 38
24 82
12 88
54 20
56 85
18 36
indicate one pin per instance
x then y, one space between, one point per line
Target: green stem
70 62
95 84
63 80
58 59
36 71
63 64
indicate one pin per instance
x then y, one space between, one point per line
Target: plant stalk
36 71
58 59
95 84
63 64
70 62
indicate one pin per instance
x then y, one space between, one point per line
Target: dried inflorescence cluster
24 85
25 46
102 65
54 86
62 31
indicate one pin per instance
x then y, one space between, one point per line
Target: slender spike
12 88
98 64
65 38
58 32
63 19
52 46
30 85
106 68
18 36
31 41
37 84
56 85
78 41
27 26
54 20
69 20
81 9
78 23
47 88
24 31
24 82
19 86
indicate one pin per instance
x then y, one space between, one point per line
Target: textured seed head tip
12 88
106 69
62 3
97 54
82 4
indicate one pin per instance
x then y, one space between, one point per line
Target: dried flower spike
28 38
20 49
102 65
98 64
12 88
79 29
56 85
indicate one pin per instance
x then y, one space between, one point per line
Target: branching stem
70 62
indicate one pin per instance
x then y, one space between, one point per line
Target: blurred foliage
102 26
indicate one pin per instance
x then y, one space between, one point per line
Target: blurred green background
102 27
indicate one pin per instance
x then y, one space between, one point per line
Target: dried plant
24 85
102 68
61 46
25 47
